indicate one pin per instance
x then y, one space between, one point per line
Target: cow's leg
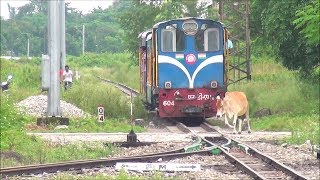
248 120
248 123
240 125
235 117
226 120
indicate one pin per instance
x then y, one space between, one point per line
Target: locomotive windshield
172 39
207 39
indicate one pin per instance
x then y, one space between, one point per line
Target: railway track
208 141
89 164
248 159
125 89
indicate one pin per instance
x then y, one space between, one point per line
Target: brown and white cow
233 105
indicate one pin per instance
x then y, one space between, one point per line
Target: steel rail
83 164
254 152
124 88
228 156
248 149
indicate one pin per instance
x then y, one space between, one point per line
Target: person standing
67 77
60 75
229 44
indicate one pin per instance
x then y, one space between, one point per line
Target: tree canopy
291 28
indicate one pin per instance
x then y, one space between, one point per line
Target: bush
280 90
9 118
100 60
26 78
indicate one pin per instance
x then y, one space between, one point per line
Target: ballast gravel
300 158
37 106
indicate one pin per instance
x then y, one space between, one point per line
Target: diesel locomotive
183 66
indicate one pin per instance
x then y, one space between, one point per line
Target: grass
121 176
293 102
303 127
19 149
26 78
39 152
89 92
89 125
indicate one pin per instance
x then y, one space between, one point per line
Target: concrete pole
63 34
53 108
221 10
248 54
49 31
83 31
28 48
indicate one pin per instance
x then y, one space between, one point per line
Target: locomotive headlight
213 84
167 85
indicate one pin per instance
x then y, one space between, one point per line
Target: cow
233 105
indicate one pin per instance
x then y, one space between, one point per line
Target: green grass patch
304 127
27 150
122 175
89 125
294 102
17 148
88 92
26 78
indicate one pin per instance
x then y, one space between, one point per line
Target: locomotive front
185 67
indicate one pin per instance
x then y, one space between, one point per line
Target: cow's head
219 105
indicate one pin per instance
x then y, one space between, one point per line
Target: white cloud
83 5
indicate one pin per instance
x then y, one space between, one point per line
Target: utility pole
50 65
28 50
28 43
63 34
248 44
221 10
53 108
83 31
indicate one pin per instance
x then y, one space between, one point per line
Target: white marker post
100 113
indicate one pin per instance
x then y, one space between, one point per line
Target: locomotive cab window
207 39
172 39
211 39
149 43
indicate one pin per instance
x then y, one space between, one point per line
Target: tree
3 45
308 21
12 11
173 9
136 19
275 24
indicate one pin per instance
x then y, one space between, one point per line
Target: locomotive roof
144 34
185 18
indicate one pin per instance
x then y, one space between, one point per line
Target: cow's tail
247 113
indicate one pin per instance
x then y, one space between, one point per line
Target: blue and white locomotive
183 66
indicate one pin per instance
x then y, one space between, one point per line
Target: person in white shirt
67 77
229 44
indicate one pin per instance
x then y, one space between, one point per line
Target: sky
83 5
